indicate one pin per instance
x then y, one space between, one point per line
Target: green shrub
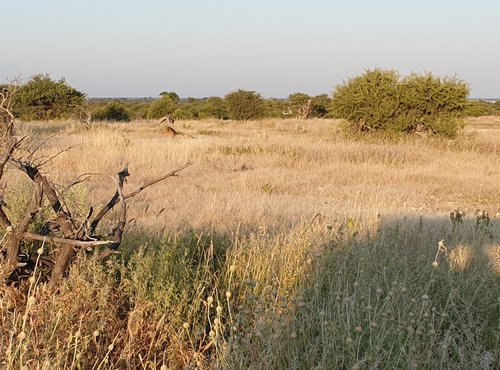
45 99
244 105
112 111
182 113
162 107
381 101
318 105
477 108
214 107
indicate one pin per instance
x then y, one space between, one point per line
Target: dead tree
303 112
85 109
63 231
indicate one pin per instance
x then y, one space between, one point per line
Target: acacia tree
62 232
244 105
42 98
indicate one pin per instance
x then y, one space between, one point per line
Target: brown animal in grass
170 132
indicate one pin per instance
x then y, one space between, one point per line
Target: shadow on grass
420 293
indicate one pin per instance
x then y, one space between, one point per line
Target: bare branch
48 159
87 112
170 174
13 240
122 175
63 216
112 202
37 148
65 241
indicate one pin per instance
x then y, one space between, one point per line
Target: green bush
161 107
112 111
214 107
477 108
318 105
244 105
45 99
381 101
182 113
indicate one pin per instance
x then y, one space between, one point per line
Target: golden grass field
284 245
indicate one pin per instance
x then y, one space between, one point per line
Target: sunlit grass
286 245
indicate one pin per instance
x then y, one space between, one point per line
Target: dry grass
286 245
282 171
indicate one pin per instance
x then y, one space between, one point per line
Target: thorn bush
380 100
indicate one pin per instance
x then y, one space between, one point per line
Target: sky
199 48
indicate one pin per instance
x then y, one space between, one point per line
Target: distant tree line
375 100
43 98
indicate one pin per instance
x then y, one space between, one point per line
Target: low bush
162 107
244 105
113 111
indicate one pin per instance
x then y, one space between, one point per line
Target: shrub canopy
382 101
45 99
161 107
244 105
112 111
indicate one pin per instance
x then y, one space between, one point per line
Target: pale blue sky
276 47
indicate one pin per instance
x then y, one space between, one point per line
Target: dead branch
48 159
87 112
114 200
65 241
14 238
33 151
63 230
63 216
170 174
118 230
122 176
304 110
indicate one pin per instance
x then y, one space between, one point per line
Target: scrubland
284 245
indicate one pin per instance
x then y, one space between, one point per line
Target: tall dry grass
286 245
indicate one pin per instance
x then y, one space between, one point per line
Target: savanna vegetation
288 244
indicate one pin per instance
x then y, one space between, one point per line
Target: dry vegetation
286 245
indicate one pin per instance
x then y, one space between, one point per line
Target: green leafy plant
113 111
166 105
380 100
43 98
244 105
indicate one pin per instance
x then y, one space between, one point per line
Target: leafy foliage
113 111
319 105
274 108
477 108
172 95
244 105
161 107
44 99
381 101
214 107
